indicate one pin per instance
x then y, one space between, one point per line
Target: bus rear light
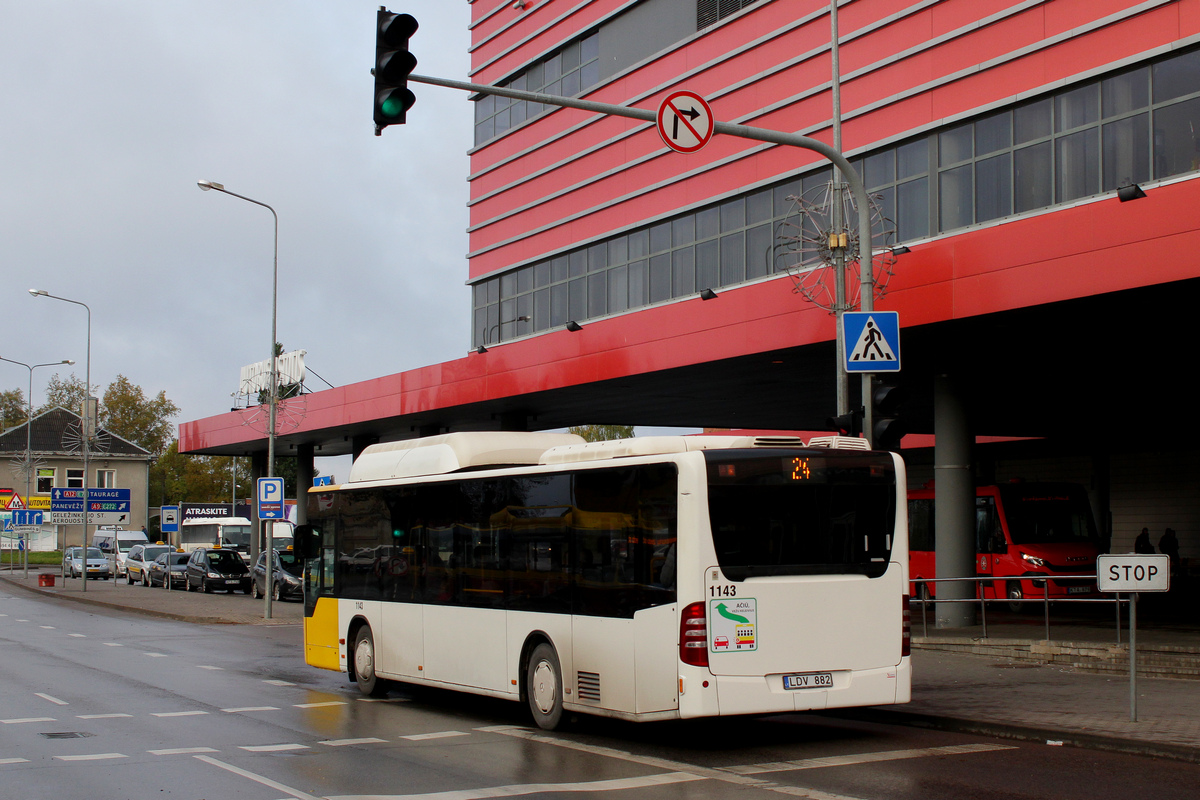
693 636
905 628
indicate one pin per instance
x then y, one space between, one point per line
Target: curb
148 612
1054 738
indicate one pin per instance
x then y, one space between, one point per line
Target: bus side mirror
306 541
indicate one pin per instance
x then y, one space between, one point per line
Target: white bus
643 579
231 532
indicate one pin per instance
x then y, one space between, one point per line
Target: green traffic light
396 103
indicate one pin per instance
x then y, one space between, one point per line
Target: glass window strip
1030 169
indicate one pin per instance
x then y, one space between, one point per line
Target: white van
115 544
225 532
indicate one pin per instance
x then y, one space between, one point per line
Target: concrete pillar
954 510
304 479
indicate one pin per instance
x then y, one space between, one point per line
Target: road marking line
866 758
321 705
272 748
182 751
279 683
249 708
346 742
203 666
92 757
102 716
47 627
156 655
77 635
417 737
663 763
28 719
179 714
294 793
613 785
14 760
51 698
113 644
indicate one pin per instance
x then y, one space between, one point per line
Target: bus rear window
801 512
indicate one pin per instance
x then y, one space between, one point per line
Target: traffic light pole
853 180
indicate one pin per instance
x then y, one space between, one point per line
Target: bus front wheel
368 682
1015 596
543 684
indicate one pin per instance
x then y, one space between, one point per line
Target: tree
12 408
602 433
67 393
128 413
175 477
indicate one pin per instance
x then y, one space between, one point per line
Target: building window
45 480
709 12
106 479
1136 125
74 479
567 72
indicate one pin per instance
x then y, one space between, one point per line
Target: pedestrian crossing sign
872 340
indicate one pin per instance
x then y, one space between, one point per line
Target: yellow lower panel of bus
321 635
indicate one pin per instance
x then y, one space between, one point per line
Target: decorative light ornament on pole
393 64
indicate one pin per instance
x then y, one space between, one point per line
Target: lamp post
87 419
29 441
273 394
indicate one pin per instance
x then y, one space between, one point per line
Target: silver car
97 564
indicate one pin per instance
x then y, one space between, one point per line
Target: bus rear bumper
766 694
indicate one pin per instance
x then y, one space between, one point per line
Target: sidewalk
198 607
986 693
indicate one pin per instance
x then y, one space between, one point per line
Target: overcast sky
109 114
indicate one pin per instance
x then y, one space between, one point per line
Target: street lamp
29 439
273 394
87 417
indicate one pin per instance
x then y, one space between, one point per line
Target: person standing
1142 545
1169 545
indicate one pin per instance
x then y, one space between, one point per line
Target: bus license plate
809 680
1078 589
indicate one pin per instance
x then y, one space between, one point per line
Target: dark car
211 568
168 570
286 580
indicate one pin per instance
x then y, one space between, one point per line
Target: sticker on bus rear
733 624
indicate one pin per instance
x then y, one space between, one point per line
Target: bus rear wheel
543 686
368 682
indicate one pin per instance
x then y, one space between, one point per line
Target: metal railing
920 597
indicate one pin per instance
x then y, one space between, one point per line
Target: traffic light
849 424
393 64
886 426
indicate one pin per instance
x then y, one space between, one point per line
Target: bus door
990 544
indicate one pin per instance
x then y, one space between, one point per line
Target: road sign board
14 503
1133 573
27 517
872 341
168 519
270 498
685 122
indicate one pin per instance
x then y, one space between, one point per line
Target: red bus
1025 533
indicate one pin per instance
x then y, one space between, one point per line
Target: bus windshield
236 536
1044 514
801 513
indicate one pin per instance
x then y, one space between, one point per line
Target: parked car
138 561
286 579
211 568
97 564
169 570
